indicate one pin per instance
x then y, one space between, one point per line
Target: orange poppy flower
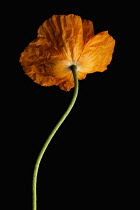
64 40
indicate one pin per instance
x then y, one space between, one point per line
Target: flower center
72 67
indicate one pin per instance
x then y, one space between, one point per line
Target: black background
84 165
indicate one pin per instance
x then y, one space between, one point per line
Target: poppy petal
65 33
88 30
69 83
97 53
44 64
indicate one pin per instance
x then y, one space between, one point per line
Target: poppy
63 41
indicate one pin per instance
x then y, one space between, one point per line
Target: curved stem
34 182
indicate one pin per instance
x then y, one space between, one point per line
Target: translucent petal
97 53
65 33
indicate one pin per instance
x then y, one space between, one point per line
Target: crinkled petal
65 33
66 85
69 82
44 64
97 53
88 30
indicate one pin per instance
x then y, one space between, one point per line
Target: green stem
34 183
